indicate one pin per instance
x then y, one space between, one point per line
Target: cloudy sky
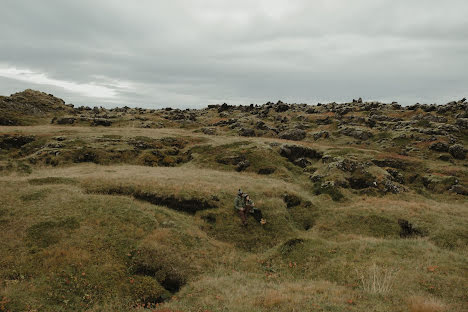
191 53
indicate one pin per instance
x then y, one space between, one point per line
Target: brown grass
421 304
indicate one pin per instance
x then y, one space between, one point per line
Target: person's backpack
257 214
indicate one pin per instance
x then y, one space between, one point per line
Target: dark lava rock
387 186
281 107
393 163
321 134
316 178
458 151
208 131
101 122
302 162
356 133
293 152
15 141
65 121
348 165
459 189
225 122
224 107
293 134
325 121
247 132
439 147
396 175
241 166
462 123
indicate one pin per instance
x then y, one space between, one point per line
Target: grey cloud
192 53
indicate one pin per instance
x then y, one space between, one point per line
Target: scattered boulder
348 165
393 163
241 166
459 189
462 123
15 141
65 121
247 132
302 162
101 122
281 107
457 151
324 121
396 175
439 147
293 134
321 135
209 131
362 135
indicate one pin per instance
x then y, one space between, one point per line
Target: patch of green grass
46 233
35 195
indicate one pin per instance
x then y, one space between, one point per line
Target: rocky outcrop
293 134
457 151
358 134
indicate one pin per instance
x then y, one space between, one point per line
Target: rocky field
131 209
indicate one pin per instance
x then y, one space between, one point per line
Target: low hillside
132 210
30 107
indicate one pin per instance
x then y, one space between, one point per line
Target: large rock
459 189
462 123
458 151
15 141
322 134
359 134
293 134
281 107
348 165
101 122
247 132
439 147
392 163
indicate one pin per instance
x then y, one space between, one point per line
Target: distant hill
28 107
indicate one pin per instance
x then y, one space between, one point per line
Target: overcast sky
191 53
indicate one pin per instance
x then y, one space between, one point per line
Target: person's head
240 193
246 196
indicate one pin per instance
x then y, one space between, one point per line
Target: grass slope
122 235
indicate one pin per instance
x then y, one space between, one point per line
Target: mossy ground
79 236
